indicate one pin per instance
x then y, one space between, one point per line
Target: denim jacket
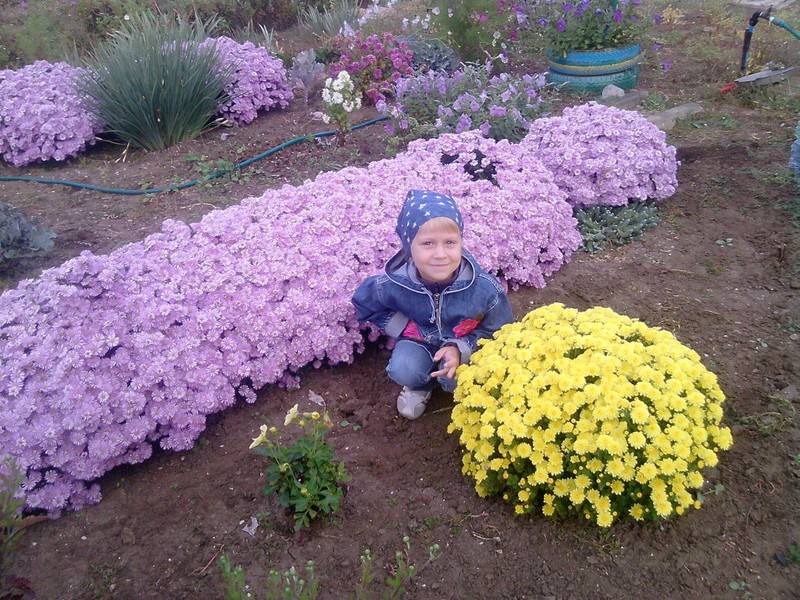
474 306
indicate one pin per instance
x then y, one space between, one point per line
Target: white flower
336 98
436 10
261 437
292 414
326 119
326 95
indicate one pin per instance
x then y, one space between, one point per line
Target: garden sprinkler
763 77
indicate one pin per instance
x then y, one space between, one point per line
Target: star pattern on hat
420 207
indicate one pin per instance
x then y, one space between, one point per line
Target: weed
724 243
711 267
655 101
741 586
102 581
290 584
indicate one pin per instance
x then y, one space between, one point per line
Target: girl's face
436 249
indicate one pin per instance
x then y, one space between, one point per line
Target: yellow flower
524 495
523 450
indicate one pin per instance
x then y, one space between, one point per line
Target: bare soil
163 524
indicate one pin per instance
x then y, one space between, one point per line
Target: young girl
434 298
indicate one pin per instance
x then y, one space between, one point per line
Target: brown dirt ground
162 524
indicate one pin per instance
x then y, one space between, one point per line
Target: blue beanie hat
419 208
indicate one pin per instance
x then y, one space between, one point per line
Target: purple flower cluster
42 116
501 107
375 63
603 155
259 80
105 356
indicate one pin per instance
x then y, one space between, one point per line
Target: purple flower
618 16
497 111
666 65
657 18
561 26
568 7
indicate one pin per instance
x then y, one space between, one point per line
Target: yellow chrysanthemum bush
588 413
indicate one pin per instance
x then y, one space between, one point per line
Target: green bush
153 84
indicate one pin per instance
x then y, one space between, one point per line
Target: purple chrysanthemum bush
42 116
604 155
259 82
106 355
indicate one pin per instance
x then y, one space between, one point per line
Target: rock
628 101
612 91
667 119
789 394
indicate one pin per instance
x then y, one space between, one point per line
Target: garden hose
182 186
748 34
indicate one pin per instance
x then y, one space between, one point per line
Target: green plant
590 414
430 54
290 585
588 25
235 586
617 225
260 36
340 98
20 236
303 474
471 27
329 22
153 84
10 511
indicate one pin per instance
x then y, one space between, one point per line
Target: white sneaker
411 403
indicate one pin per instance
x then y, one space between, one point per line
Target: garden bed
719 272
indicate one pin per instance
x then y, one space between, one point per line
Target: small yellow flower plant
590 414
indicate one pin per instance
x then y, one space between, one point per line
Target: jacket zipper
437 312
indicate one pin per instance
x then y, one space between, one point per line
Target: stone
612 91
666 120
629 101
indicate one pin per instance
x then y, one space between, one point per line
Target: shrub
501 107
590 414
472 27
105 356
306 70
10 516
603 155
42 116
154 83
20 237
616 224
258 80
430 54
375 63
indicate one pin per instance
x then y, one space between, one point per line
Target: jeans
411 364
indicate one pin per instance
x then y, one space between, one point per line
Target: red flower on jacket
466 327
412 332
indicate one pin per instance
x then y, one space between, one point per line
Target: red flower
466 327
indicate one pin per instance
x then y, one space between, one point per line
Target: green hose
182 186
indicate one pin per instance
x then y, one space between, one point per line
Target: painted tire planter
592 70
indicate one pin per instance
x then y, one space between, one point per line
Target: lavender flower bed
604 155
259 80
41 114
106 355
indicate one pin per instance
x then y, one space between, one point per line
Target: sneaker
411 403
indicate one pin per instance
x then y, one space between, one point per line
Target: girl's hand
451 359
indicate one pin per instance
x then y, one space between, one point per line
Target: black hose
181 186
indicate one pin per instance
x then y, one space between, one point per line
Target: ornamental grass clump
589 414
430 104
42 116
154 83
258 80
604 155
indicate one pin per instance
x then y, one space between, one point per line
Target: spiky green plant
617 225
152 82
328 23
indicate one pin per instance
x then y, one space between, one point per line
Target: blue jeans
411 364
